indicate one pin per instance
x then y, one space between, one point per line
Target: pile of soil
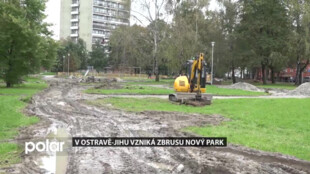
92 79
303 89
194 102
112 85
105 83
244 86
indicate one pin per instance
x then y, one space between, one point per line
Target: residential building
289 74
92 20
286 75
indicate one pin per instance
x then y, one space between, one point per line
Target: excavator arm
196 72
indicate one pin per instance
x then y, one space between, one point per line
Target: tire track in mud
61 105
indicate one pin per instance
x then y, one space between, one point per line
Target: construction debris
108 85
244 86
93 79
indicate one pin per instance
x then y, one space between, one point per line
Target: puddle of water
161 166
61 103
49 164
62 157
48 76
56 162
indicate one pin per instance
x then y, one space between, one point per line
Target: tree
48 49
74 52
23 38
190 33
98 56
131 46
82 53
277 62
264 25
160 61
213 32
299 12
155 10
229 24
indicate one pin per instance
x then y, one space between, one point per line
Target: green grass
168 82
131 89
48 73
150 90
233 92
12 102
275 125
288 86
30 87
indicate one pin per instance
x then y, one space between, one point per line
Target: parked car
306 79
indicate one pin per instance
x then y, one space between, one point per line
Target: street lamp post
68 63
212 43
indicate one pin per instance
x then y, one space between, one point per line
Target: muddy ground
61 107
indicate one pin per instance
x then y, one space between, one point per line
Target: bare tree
154 12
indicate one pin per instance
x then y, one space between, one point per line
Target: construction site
73 107
154 86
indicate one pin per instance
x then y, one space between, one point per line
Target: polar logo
44 146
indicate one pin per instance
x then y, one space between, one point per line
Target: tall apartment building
92 20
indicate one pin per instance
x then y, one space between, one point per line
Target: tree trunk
155 58
300 76
267 74
253 73
272 76
155 42
8 78
157 73
233 75
301 71
257 74
297 80
8 84
264 74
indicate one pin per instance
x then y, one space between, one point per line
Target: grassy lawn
275 125
288 86
30 87
233 92
11 117
48 73
150 90
168 82
132 89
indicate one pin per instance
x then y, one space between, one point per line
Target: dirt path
60 107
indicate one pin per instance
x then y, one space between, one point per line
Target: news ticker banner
61 145
149 141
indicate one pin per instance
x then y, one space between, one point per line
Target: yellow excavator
190 89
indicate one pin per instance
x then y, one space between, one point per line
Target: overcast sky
53 14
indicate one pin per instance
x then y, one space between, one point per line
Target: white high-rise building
92 20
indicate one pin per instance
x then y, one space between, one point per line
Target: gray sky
53 14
